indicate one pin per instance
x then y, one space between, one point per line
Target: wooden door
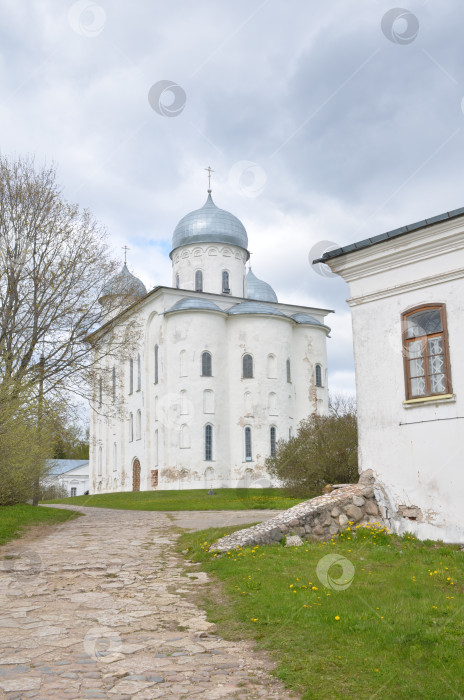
136 475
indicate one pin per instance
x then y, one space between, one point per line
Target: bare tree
54 261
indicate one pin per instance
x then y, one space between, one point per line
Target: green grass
15 519
396 630
194 499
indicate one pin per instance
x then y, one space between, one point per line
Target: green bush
324 451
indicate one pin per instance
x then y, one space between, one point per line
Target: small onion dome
124 284
306 318
259 290
254 307
209 225
192 304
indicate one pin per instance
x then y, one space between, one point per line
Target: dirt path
100 607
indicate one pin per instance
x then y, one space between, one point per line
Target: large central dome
209 225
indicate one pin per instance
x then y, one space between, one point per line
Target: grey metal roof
124 284
306 318
192 304
259 290
209 225
61 466
255 307
390 234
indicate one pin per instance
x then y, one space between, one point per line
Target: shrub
324 450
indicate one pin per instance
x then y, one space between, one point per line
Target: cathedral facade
219 372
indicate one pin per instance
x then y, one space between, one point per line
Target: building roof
61 466
192 304
395 233
306 319
255 307
124 284
259 290
209 225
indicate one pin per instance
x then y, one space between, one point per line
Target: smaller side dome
255 307
193 304
259 290
124 284
306 318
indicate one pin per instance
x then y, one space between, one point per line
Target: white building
407 302
73 474
221 370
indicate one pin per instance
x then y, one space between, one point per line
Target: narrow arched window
318 375
139 373
156 363
208 443
177 281
272 401
131 427
113 377
247 367
184 437
225 282
208 401
206 364
100 460
248 452
183 363
272 435
289 372
156 448
271 367
131 376
138 425
198 281
115 457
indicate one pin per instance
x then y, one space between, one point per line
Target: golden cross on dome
209 170
125 249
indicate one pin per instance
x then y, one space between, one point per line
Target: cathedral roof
259 290
306 318
124 284
191 303
210 225
255 307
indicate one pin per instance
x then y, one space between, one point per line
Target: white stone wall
211 259
172 424
415 450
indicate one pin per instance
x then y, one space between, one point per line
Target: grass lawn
14 519
385 622
194 499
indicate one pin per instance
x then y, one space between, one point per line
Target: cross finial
209 170
125 249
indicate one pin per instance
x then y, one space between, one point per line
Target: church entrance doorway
136 475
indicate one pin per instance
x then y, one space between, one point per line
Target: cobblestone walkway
102 607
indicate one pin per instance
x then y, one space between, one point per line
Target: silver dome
254 307
124 284
209 225
259 290
193 304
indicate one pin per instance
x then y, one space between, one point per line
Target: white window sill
440 398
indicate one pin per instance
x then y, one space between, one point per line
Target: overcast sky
322 121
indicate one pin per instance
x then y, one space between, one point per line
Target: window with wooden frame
426 355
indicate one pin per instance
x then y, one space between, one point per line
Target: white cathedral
219 373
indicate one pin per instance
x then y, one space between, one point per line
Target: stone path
102 607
